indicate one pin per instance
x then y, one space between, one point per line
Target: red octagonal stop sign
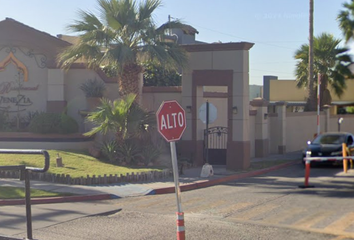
171 120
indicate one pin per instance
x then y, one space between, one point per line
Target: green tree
123 117
331 62
346 20
311 101
120 39
156 75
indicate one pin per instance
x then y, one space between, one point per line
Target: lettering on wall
18 102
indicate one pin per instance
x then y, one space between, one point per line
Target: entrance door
215 145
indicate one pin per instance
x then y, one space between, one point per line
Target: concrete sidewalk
189 180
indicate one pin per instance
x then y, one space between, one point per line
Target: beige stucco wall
252 122
76 100
286 90
300 128
153 100
346 126
35 99
273 133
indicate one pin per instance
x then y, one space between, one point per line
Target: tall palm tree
120 39
311 101
330 61
346 20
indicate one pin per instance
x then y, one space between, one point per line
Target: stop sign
171 120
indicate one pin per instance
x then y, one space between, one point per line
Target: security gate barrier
308 159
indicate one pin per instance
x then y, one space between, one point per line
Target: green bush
4 121
53 123
109 150
68 124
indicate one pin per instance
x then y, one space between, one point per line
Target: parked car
330 145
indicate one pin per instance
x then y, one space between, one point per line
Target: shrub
93 88
129 151
53 123
4 121
109 150
68 124
150 153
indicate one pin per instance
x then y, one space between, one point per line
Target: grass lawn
16 193
76 164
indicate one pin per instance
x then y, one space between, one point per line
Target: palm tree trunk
129 80
311 101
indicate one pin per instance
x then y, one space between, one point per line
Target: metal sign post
171 123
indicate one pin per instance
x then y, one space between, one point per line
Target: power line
244 39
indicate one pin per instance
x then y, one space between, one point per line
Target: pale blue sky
277 27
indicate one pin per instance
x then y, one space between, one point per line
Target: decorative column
55 91
261 127
281 122
326 109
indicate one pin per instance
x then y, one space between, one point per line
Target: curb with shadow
208 183
64 199
184 187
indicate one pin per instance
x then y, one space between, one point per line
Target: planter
93 102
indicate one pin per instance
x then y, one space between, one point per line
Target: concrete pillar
281 122
261 127
55 91
327 111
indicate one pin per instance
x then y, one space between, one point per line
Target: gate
215 145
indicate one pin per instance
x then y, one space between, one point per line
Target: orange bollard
181 234
307 173
345 161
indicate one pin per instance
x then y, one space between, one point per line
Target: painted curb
208 183
82 198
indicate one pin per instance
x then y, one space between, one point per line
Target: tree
311 101
331 62
346 20
121 39
123 117
155 75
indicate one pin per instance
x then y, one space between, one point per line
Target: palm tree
121 39
121 116
311 101
346 20
331 62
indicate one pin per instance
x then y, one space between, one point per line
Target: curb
58 199
208 183
166 190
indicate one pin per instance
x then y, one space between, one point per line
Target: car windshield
329 139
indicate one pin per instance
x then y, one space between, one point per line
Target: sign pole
175 175
180 214
171 123
207 132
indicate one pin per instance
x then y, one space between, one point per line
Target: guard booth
24 175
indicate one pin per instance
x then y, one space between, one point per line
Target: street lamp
340 120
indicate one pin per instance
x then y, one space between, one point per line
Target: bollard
345 161
181 234
307 172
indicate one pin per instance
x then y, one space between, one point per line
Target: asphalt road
270 206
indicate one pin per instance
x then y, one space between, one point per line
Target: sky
276 27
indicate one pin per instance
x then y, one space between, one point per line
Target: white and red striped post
307 171
181 234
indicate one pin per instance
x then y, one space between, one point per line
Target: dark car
330 145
